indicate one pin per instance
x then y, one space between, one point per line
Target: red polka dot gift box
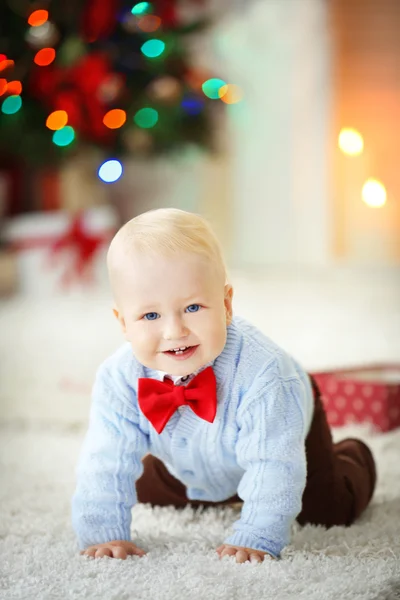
370 394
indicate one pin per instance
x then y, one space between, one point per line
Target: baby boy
199 407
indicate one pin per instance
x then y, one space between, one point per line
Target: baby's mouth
179 351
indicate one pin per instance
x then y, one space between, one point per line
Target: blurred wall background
366 96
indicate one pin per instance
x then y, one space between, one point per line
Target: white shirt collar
182 379
177 379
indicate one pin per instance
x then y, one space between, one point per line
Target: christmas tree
105 73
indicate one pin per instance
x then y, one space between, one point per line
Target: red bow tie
158 400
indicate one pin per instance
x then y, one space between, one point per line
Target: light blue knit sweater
255 447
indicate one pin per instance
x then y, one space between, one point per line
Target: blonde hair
167 231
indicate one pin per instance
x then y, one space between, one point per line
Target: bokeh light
374 193
110 171
57 120
38 17
6 64
141 8
114 118
230 93
153 48
192 105
64 136
149 23
46 35
14 88
45 57
11 105
351 142
3 86
146 118
211 88
2 57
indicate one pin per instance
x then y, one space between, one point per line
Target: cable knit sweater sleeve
271 450
109 464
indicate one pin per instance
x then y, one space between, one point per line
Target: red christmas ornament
76 90
99 19
167 11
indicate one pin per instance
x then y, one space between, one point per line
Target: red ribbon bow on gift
158 400
83 246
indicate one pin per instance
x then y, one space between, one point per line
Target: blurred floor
50 347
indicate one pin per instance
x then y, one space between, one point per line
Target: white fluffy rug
39 558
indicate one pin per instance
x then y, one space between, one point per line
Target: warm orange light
374 193
6 64
114 118
38 17
57 120
45 57
3 86
230 93
14 88
351 141
149 23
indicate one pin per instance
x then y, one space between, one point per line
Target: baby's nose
175 329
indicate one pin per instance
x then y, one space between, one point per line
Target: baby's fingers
228 551
89 551
256 558
242 556
104 551
119 552
136 551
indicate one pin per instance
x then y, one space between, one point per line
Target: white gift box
50 256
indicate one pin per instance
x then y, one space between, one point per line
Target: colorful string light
230 93
11 105
141 8
110 171
153 48
57 120
192 105
211 88
114 118
149 23
38 17
6 64
45 57
14 88
64 136
146 118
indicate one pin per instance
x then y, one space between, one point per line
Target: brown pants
340 478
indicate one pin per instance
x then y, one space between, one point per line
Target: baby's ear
228 303
120 319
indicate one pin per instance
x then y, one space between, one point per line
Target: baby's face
171 303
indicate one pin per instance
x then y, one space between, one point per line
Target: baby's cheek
217 335
137 337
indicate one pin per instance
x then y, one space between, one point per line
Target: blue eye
193 308
152 316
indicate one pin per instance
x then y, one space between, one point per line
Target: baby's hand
115 549
242 554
